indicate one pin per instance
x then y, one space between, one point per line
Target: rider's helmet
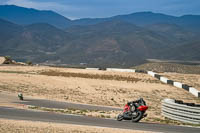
141 99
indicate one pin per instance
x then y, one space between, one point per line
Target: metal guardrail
181 111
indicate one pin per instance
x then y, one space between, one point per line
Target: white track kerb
180 112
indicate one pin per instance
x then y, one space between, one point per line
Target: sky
75 9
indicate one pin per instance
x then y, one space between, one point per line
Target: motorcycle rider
134 110
132 104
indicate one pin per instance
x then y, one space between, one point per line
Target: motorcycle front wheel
120 117
138 117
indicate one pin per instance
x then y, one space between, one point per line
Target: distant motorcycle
20 96
134 111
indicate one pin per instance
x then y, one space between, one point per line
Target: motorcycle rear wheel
138 117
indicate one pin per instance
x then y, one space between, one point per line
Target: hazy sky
105 8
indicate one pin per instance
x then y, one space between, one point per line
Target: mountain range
118 41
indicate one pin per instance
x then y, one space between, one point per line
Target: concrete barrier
186 87
157 76
141 71
178 84
92 68
120 70
163 79
171 82
151 73
194 91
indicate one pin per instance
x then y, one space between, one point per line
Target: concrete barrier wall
171 82
151 73
120 70
157 76
178 84
163 79
141 71
188 88
194 91
92 68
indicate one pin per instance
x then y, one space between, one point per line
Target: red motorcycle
134 111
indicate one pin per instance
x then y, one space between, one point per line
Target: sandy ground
189 79
13 126
26 79
2 59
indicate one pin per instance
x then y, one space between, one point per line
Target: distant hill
36 42
169 67
175 34
188 51
8 30
26 16
191 22
140 19
119 41
115 42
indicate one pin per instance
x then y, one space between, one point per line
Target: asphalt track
64 105
21 114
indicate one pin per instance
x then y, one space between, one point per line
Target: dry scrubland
13 126
90 86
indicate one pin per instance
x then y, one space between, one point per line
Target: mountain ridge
26 16
116 42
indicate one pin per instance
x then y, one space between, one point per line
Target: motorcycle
20 96
134 111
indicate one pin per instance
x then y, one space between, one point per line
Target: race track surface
21 114
64 105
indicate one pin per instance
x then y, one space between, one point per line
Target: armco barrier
185 112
